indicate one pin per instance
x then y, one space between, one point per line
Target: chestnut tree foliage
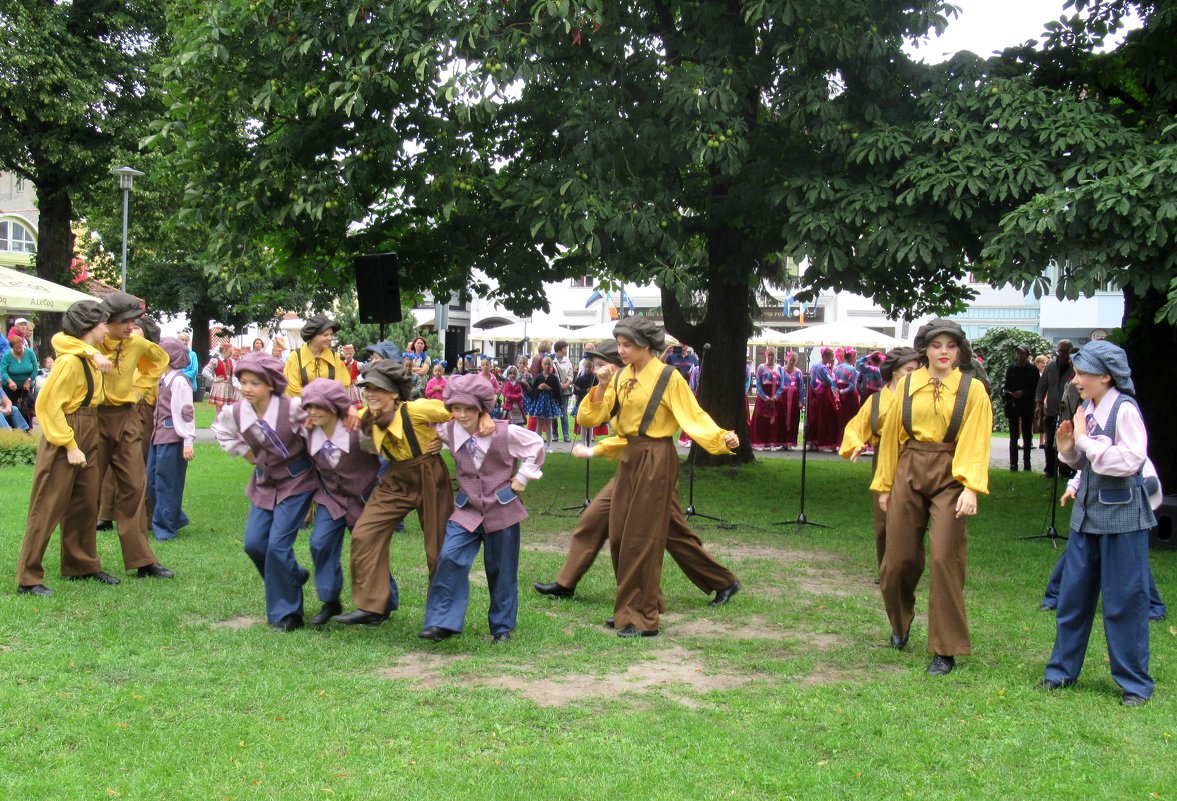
696 145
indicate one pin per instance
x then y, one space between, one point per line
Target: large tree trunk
726 326
54 251
199 318
1149 344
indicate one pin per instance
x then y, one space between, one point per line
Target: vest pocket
1116 497
506 495
461 499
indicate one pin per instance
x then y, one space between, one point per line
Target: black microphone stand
691 511
1051 532
587 434
802 520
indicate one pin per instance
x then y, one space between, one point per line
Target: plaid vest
1110 504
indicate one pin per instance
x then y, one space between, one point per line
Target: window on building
15 238
582 282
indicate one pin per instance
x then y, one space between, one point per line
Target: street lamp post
126 176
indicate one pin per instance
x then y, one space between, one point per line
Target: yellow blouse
422 412
677 409
62 394
929 422
145 388
315 366
858 433
135 359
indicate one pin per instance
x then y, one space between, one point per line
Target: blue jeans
269 542
167 471
449 594
326 550
13 420
1156 607
1116 566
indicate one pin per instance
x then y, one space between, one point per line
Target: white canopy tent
21 291
599 332
768 336
838 334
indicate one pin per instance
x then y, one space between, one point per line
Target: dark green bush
996 348
18 448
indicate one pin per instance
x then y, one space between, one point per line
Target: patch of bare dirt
554 544
832 582
669 669
236 623
424 669
784 555
753 628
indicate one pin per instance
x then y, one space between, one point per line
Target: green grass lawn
176 689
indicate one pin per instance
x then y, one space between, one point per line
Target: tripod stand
1051 532
580 507
802 520
691 511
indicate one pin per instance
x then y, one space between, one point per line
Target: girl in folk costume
513 394
592 529
846 379
792 401
220 370
862 433
486 371
65 480
487 514
821 425
870 376
1115 492
172 439
435 389
765 429
416 478
265 427
546 396
651 402
315 359
347 476
933 463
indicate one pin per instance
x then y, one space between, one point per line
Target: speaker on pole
378 288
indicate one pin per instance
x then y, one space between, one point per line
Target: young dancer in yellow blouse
864 428
929 476
315 359
646 482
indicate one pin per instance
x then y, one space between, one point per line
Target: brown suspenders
962 396
874 414
303 370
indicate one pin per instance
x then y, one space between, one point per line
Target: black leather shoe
33 589
609 622
1157 618
1013 468
288 623
1045 607
629 632
554 590
435 634
104 577
501 637
330 609
1131 699
941 665
1047 685
360 616
104 525
155 571
899 641
725 595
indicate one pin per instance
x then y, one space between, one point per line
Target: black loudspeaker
1164 534
378 289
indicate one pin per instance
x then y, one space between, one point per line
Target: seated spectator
10 416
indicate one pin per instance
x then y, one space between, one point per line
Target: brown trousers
146 414
120 452
421 483
683 545
880 529
63 493
924 495
644 493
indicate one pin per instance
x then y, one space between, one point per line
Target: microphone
706 346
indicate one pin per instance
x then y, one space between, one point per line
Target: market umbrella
840 333
21 291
